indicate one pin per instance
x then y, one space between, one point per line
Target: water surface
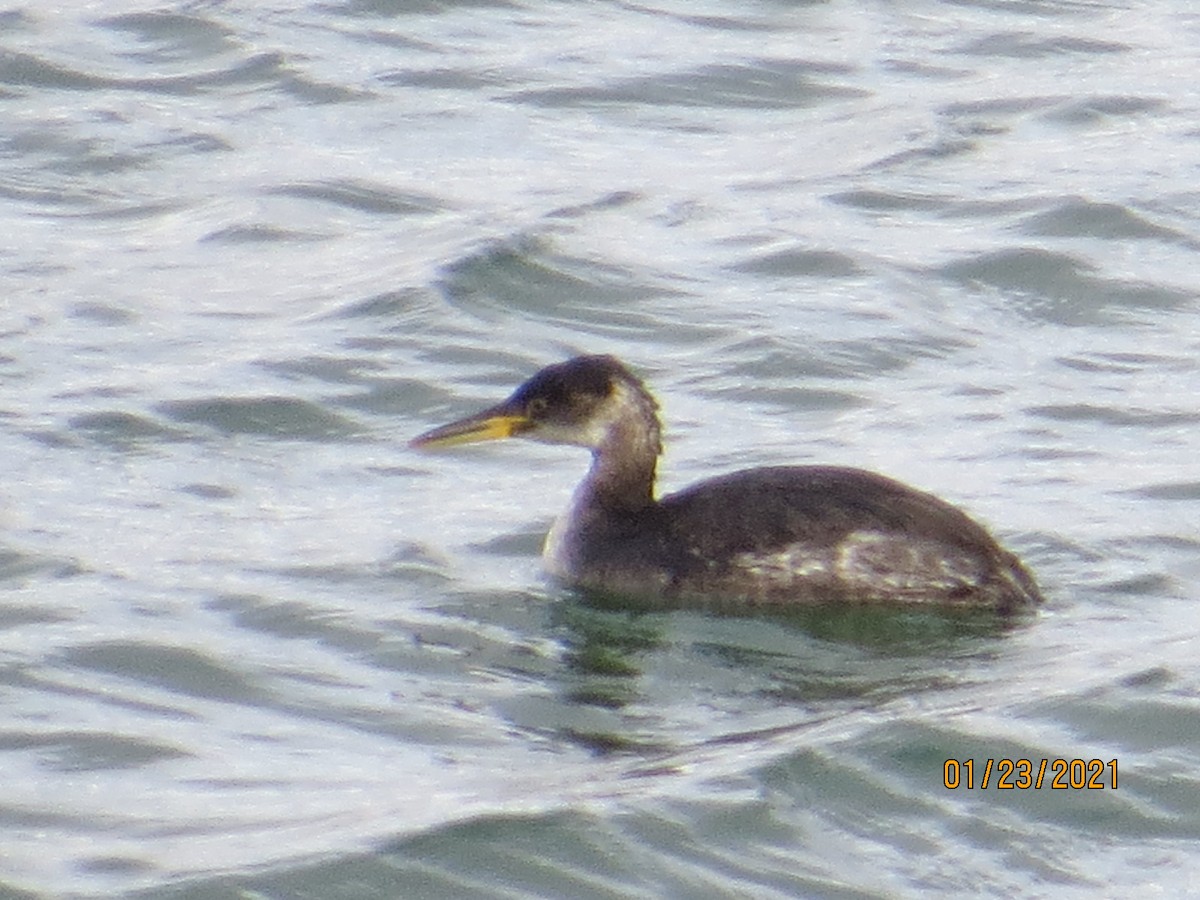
249 643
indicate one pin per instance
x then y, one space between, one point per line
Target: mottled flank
773 536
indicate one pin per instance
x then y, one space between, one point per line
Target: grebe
775 536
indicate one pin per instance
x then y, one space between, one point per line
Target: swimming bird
765 537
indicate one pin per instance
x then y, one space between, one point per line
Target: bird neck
622 476
625 446
624 462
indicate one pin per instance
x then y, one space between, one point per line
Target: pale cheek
549 433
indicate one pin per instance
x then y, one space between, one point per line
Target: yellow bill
489 425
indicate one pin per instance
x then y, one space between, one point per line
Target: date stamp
1022 774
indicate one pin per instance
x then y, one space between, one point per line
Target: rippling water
249 644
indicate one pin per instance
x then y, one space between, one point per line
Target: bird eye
536 407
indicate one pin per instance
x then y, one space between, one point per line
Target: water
251 645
